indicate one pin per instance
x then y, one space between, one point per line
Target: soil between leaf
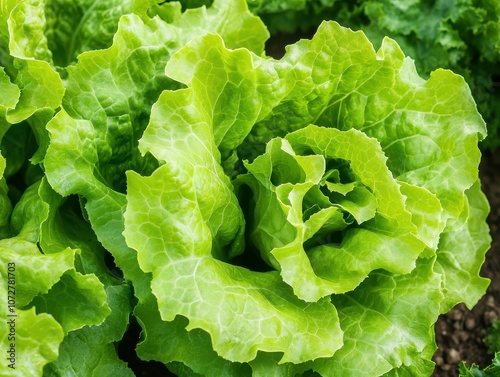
460 333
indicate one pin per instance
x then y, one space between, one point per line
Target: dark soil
460 333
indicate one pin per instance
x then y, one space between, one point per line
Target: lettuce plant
255 216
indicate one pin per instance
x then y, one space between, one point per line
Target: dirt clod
453 356
470 323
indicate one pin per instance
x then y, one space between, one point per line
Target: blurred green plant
492 370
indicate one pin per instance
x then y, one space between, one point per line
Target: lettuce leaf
38 338
50 290
91 350
73 27
463 36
